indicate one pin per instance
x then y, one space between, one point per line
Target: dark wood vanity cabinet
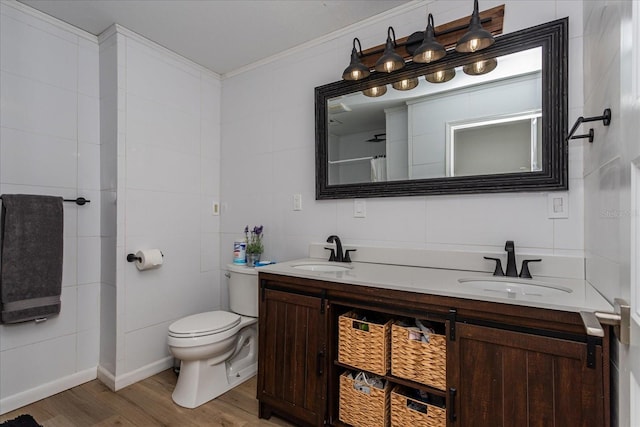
506 365
292 367
507 378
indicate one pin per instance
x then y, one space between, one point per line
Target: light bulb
474 44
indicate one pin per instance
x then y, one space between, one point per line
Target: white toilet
218 349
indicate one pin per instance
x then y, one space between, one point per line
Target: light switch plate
558 205
359 208
215 208
297 202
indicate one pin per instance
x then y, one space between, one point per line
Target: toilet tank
243 290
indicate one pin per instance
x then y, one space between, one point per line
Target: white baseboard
26 397
107 378
119 382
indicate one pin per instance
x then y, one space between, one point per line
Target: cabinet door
292 362
505 378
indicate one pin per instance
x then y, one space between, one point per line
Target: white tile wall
607 162
49 144
167 168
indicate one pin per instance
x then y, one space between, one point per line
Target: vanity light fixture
440 76
480 67
430 50
477 38
428 46
374 92
390 61
356 69
405 84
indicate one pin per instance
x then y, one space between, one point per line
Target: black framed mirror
419 142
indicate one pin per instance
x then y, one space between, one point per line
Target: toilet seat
204 324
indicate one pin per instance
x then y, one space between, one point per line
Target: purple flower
254 239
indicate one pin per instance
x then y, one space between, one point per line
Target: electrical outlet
558 205
297 202
359 208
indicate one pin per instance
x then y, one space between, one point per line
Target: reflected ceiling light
390 61
440 76
430 50
356 69
477 38
374 92
405 84
480 67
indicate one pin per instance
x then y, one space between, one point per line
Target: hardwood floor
146 403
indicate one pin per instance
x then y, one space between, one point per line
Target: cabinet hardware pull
320 362
452 404
452 323
323 296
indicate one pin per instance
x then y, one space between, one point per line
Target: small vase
252 259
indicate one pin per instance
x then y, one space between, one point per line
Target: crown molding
28 10
119 29
353 28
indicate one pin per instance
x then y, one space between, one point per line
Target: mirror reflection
475 119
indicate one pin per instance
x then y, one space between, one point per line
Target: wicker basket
417 360
360 409
402 415
364 349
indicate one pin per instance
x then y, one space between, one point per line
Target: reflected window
499 145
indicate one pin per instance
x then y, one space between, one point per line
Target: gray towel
30 257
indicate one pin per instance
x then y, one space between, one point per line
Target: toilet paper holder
134 258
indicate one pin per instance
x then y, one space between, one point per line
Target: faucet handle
498 270
332 257
524 271
347 258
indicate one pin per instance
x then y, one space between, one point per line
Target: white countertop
444 282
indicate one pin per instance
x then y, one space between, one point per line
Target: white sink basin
326 267
514 287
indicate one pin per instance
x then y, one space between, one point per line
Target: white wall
167 173
277 151
50 144
136 129
607 172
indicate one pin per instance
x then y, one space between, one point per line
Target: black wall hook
606 120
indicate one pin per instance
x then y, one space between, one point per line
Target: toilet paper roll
149 259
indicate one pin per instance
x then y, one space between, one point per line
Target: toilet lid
207 323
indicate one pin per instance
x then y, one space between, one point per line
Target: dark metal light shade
356 69
477 38
430 50
440 76
405 84
390 61
374 92
480 67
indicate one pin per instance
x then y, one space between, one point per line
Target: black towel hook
606 120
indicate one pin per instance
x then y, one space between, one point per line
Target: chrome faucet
338 255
